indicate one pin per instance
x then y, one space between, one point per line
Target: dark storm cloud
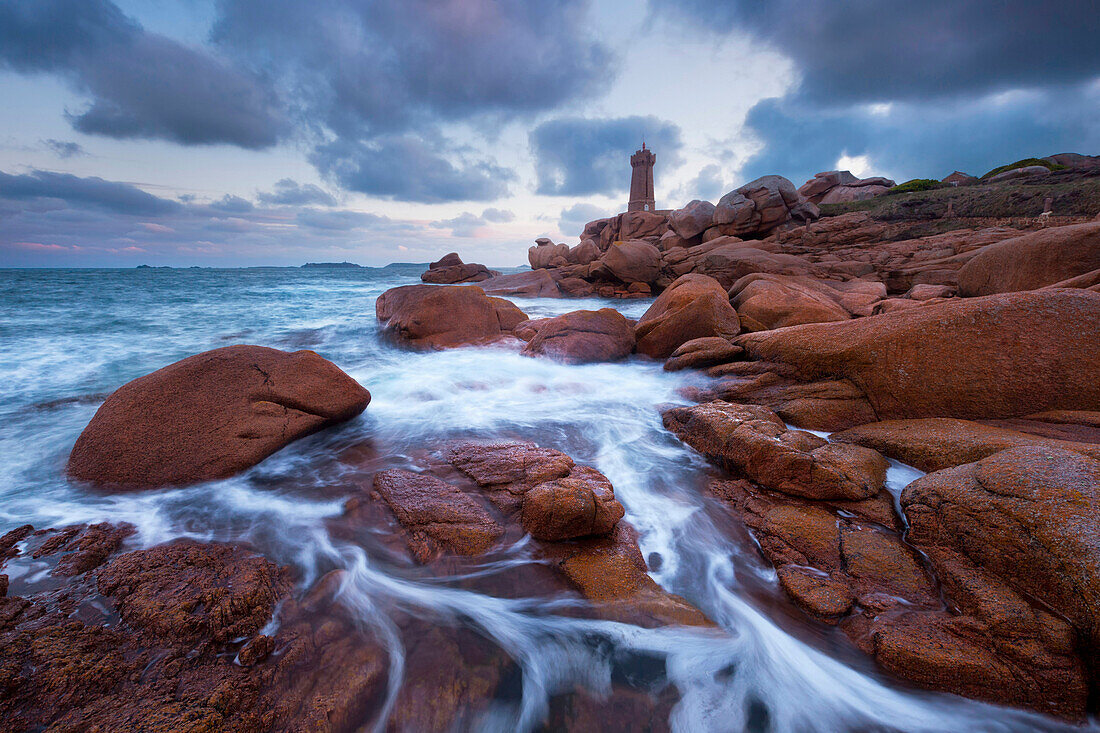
408 168
870 50
578 156
65 148
118 198
289 192
925 141
378 77
387 65
139 84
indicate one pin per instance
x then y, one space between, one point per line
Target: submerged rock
445 316
210 416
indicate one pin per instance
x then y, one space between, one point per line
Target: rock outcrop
752 441
1032 261
836 187
450 270
935 443
765 301
694 306
1026 516
583 336
445 316
210 416
976 358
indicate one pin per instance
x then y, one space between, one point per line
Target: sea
68 338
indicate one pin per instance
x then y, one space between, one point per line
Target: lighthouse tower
641 180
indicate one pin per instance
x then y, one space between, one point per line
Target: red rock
1024 515
579 505
533 284
583 253
212 415
932 444
774 301
584 336
444 316
450 259
1032 261
694 306
692 220
457 274
632 261
437 515
641 225
544 252
189 591
753 442
702 352
976 358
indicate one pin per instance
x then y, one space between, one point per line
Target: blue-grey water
70 337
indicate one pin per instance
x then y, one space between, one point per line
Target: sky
276 132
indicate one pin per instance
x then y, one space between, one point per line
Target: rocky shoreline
970 354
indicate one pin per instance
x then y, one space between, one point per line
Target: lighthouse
641 180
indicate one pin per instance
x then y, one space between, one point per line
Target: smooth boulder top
976 358
1032 261
210 416
694 306
582 337
445 316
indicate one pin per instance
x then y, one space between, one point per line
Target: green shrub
1024 164
917 184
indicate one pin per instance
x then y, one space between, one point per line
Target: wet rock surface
752 441
445 316
210 416
583 336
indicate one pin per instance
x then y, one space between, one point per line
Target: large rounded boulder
210 416
444 316
692 307
633 261
977 358
1032 261
584 336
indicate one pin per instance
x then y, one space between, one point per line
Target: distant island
331 264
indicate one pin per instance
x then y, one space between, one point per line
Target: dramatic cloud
409 169
574 218
463 225
577 156
140 84
920 89
118 198
869 50
368 65
925 141
289 192
65 149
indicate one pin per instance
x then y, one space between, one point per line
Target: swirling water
69 337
